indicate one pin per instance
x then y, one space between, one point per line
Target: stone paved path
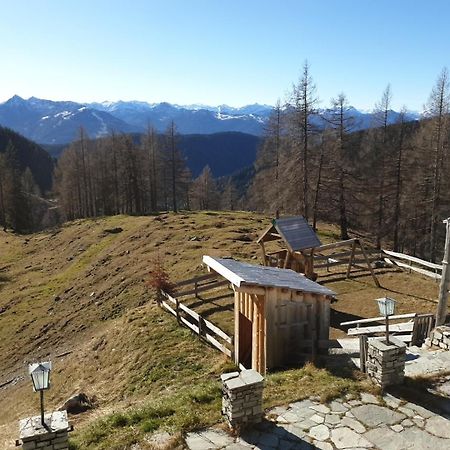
353 425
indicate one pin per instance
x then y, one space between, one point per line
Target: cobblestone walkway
352 425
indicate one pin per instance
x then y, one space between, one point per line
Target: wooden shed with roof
280 315
297 240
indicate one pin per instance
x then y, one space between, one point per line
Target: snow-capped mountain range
58 122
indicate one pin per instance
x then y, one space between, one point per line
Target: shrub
159 279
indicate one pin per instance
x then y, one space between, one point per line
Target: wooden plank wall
252 307
297 323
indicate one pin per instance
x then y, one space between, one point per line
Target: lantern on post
40 376
387 308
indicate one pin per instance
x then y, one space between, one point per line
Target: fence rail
413 332
412 263
198 324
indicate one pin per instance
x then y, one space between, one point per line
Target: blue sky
222 51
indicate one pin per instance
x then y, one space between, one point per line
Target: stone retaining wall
386 362
53 437
439 337
242 397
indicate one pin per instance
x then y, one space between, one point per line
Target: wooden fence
351 253
412 332
194 321
423 324
326 255
411 263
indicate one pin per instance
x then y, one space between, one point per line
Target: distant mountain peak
15 99
58 122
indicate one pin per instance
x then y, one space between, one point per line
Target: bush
159 279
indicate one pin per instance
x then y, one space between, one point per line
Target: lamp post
40 376
387 308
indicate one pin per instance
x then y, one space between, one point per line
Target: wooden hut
297 240
280 315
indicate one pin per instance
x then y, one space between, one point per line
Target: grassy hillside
78 296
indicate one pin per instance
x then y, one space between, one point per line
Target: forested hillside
31 155
122 174
390 180
26 171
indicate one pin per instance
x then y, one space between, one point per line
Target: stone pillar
386 362
53 437
242 397
439 337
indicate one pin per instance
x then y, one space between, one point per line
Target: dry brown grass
82 290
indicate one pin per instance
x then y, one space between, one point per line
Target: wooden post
237 302
368 264
177 308
441 312
350 261
362 352
263 250
286 261
201 327
314 334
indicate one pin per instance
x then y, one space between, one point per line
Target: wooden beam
425 272
263 250
378 319
220 269
286 260
413 259
335 245
350 261
404 327
207 276
375 279
202 288
251 289
265 233
237 298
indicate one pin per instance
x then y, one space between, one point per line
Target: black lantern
40 376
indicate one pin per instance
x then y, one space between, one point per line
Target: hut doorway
246 341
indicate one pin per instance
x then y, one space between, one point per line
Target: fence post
441 312
177 309
363 352
201 326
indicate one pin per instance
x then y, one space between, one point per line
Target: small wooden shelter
280 315
299 240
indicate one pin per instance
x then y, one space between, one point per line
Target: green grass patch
297 384
188 409
199 405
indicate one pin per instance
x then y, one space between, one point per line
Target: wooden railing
342 258
198 324
413 332
412 263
